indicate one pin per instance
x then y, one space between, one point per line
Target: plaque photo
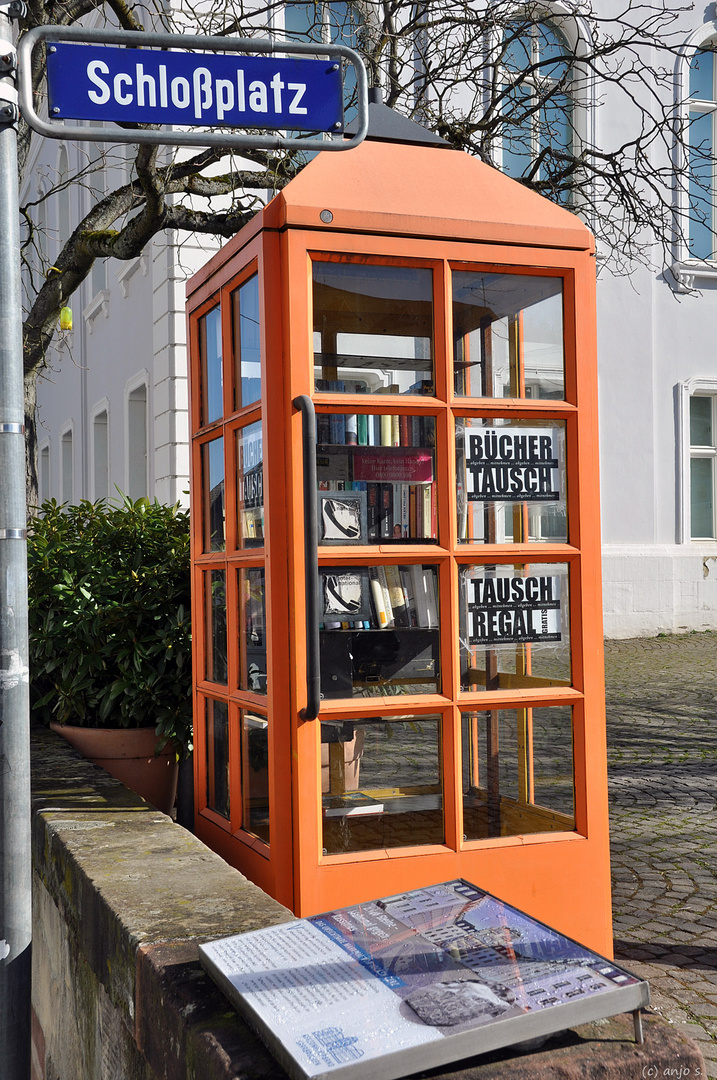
412 982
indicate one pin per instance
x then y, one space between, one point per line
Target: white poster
512 464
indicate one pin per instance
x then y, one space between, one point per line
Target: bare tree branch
494 81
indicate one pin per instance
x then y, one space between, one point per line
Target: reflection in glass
511 482
702 75
376 478
247 343
255 775
218 756
250 486
213 495
373 328
210 352
508 336
379 630
517 771
514 626
252 641
381 782
216 615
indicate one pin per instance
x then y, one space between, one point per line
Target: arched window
96 181
537 107
702 104
337 21
137 442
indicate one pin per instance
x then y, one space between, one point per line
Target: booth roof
424 191
410 190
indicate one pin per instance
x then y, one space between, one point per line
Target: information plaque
412 982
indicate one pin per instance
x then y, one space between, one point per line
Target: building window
703 453
67 467
63 198
44 473
535 71
701 161
100 455
337 21
137 481
96 182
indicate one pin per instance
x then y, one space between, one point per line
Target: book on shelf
386 512
408 595
397 596
377 595
351 430
425 596
386 595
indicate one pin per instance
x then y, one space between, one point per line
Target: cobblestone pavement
662 759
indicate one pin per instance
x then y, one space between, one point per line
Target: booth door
445 512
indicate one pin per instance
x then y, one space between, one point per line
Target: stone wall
122 897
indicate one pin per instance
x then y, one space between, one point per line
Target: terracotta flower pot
128 755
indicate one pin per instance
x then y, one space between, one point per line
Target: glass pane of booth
508 335
247 343
381 783
217 749
514 626
213 507
210 356
373 328
215 599
255 774
376 478
379 630
250 486
517 771
510 481
252 623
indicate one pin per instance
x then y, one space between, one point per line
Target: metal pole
15 852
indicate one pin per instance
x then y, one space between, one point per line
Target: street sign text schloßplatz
153 86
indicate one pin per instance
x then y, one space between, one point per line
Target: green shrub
110 641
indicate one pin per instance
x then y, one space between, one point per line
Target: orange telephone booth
396 546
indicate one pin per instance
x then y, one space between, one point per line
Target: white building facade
113 402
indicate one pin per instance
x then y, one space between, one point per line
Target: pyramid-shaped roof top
419 190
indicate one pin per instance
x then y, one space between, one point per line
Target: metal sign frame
170 136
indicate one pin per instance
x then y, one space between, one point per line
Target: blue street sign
152 86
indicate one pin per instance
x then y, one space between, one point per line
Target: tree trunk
31 485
